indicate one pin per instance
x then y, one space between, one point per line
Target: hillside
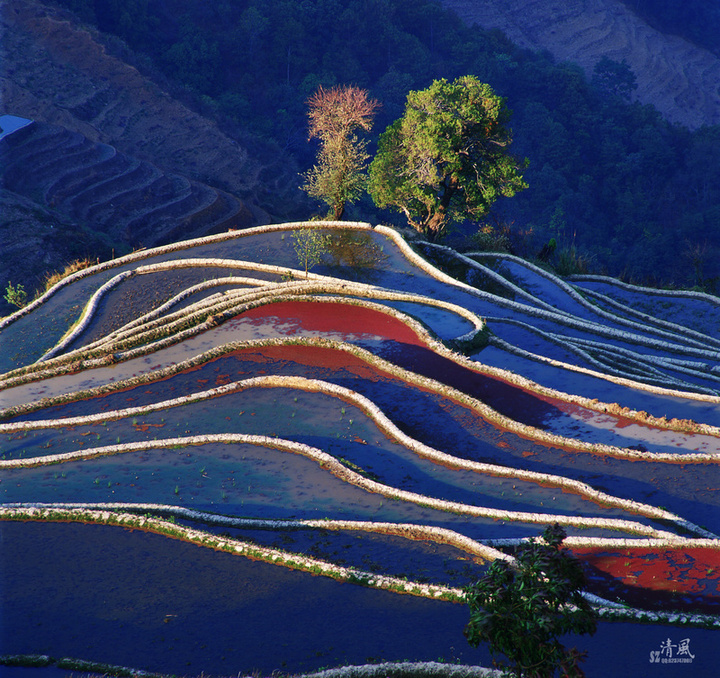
57 71
107 118
212 100
680 79
94 199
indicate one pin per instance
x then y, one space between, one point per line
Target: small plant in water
310 246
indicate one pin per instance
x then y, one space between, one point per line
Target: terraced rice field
212 462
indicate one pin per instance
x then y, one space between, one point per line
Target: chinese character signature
666 648
684 649
669 650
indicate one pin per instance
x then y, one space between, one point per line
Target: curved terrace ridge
383 423
294 561
485 411
439 445
342 472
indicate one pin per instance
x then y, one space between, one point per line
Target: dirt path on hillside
681 80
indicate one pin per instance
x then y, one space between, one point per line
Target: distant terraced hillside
681 80
51 174
115 159
130 200
60 73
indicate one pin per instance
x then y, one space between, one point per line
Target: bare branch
340 110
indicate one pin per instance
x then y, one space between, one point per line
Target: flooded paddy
274 409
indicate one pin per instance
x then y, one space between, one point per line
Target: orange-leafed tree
336 118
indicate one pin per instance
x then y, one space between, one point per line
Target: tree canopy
521 609
446 159
310 246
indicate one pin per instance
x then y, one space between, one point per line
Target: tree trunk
435 225
436 222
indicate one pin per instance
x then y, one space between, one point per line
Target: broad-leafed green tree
15 295
336 115
446 159
523 608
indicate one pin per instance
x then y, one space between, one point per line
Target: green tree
195 59
335 116
615 77
521 609
446 158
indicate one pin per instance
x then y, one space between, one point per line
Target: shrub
15 295
521 609
72 267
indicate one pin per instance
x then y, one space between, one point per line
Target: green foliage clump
310 246
490 238
521 610
614 77
15 295
446 159
571 262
